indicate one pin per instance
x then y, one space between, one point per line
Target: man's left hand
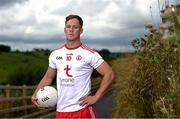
89 100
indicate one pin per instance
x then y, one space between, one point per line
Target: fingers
86 101
82 98
35 103
83 102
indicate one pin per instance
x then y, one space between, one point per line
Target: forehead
73 21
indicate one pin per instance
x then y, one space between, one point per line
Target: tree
105 53
5 48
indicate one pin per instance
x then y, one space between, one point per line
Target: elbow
112 76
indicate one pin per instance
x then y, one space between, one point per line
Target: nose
71 29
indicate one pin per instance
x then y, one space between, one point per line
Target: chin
70 39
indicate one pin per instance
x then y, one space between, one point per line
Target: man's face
73 29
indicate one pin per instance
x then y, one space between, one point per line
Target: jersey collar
73 47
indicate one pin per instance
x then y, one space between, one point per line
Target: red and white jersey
74 68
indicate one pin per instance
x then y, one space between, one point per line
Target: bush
153 89
156 82
156 79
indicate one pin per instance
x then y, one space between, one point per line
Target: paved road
105 106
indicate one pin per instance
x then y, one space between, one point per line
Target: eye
75 27
68 26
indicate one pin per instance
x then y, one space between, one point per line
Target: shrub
156 82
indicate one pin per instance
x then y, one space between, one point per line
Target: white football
47 96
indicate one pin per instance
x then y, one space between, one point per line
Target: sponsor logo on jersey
67 69
66 81
59 58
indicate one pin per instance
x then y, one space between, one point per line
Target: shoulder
87 49
59 48
56 51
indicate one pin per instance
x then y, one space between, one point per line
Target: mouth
70 34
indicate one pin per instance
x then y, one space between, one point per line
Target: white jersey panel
74 68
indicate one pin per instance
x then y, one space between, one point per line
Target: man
73 64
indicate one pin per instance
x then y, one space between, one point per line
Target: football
47 96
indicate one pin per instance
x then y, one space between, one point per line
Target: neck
72 44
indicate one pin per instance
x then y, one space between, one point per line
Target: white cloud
38 21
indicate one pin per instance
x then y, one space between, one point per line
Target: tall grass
153 90
124 68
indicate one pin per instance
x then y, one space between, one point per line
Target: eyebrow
67 25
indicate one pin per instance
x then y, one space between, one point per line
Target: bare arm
108 76
46 80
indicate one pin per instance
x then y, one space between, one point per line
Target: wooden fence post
24 94
8 93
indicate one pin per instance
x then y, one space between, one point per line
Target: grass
11 62
123 68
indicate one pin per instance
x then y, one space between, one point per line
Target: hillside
16 66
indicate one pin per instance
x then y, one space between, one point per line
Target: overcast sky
108 24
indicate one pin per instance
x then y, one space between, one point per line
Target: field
15 65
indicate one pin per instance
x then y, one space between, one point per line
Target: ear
81 30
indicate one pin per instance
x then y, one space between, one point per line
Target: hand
34 101
89 100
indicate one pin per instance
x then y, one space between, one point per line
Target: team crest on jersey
78 58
